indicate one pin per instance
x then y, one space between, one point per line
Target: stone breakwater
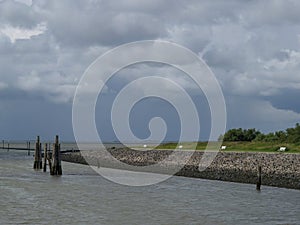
280 170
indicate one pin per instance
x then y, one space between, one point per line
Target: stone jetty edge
278 169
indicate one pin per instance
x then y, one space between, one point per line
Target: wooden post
258 184
49 160
38 155
28 147
56 160
3 144
49 157
45 157
8 146
52 160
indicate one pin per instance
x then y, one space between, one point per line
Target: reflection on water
82 197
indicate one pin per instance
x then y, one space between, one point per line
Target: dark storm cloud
287 99
253 47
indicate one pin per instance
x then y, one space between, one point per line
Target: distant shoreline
279 170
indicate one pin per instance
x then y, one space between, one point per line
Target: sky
252 47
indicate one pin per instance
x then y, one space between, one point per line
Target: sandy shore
280 170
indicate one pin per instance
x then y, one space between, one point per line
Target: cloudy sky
252 47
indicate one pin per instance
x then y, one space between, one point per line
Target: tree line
290 135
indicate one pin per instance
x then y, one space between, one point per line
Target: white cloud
29 82
269 76
292 60
54 86
18 33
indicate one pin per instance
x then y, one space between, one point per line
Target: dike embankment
278 169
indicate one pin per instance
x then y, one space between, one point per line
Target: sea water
81 196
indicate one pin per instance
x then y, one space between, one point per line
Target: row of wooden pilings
52 159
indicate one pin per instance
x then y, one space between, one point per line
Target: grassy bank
238 146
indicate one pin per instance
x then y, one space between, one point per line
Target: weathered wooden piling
56 159
28 147
3 144
258 184
49 160
38 155
45 157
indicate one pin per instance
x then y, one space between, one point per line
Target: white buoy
145 146
180 146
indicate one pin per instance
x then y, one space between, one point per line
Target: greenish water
82 197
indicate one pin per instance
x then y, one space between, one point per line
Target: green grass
238 146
